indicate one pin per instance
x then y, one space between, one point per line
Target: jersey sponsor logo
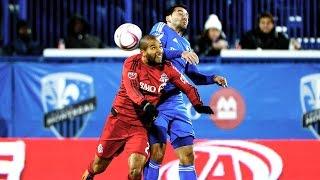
310 102
230 159
162 85
147 87
229 108
132 75
67 99
12 159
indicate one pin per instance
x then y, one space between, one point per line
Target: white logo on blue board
67 96
310 92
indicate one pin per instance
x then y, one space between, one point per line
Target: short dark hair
266 15
144 42
171 9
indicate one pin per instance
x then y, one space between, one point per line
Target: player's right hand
203 109
221 81
150 111
190 57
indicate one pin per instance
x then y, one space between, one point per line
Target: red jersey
143 82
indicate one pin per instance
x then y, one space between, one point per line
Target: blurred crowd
209 43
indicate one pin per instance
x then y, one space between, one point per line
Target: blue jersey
171 40
173 116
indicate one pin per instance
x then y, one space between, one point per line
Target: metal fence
48 18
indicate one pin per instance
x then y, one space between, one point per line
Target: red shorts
118 135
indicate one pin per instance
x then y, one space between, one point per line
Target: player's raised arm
192 93
202 79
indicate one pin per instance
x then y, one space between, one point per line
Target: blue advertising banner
264 101
5 99
272 104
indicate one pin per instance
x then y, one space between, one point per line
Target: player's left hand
221 81
190 57
203 109
150 111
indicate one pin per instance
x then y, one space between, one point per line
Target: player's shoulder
167 64
159 27
169 67
134 59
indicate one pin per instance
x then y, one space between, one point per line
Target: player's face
266 25
179 18
154 52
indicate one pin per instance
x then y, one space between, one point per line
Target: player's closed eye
183 14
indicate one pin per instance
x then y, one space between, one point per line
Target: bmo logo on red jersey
230 159
147 87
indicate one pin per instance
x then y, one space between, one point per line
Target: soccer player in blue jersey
172 118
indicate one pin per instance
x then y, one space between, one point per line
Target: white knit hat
213 22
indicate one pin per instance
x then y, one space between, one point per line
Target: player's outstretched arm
200 79
192 93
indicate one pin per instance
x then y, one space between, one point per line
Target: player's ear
168 18
143 52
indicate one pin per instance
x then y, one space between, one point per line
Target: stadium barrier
225 53
52 159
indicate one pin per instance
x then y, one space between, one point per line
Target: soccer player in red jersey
134 108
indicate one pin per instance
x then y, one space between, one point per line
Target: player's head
151 50
177 17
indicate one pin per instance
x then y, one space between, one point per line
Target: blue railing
299 18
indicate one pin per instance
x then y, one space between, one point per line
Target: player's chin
158 60
158 57
184 26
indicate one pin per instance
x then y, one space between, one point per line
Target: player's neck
179 31
149 63
144 60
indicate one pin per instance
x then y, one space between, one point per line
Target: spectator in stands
23 44
264 36
78 34
212 40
